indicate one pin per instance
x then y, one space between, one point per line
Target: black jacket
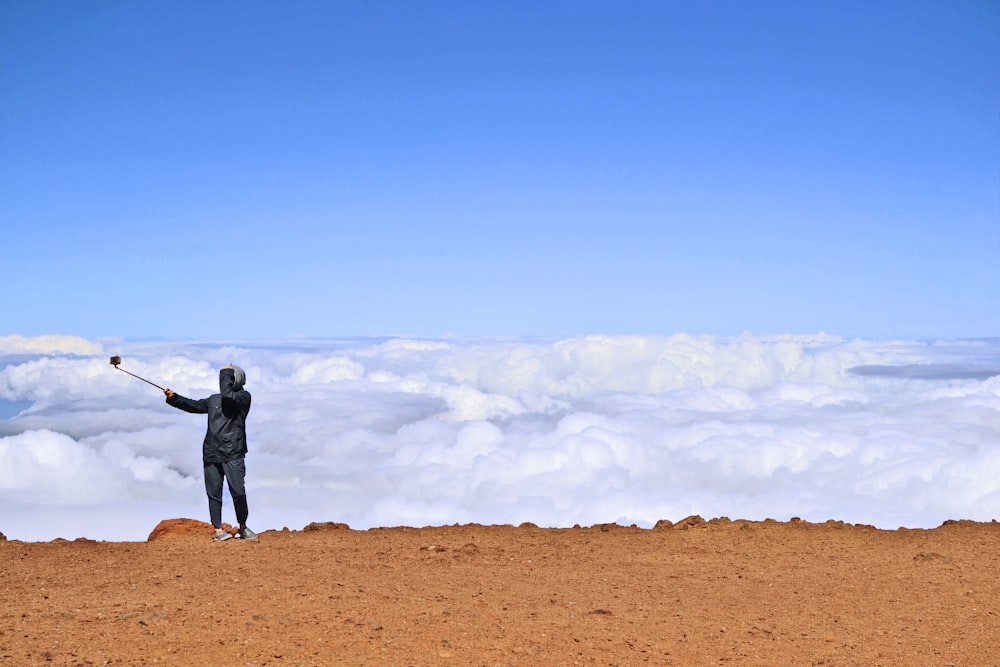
226 437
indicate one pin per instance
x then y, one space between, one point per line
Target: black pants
234 472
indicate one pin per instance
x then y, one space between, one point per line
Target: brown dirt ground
696 593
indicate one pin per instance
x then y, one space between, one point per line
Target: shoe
222 537
246 534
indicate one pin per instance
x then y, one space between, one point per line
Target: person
225 447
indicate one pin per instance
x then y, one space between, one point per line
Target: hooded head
240 378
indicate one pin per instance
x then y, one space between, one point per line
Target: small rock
326 525
692 521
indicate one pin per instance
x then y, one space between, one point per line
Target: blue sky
258 169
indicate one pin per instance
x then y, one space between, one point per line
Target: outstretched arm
199 407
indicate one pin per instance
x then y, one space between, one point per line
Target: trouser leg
213 487
235 475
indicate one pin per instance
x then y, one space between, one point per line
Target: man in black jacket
225 445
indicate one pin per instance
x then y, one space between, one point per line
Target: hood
240 378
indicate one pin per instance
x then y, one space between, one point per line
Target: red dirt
695 593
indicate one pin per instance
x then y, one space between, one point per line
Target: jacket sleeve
233 399
199 406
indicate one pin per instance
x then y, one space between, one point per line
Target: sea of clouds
585 430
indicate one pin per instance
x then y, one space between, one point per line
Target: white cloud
50 469
581 430
10 345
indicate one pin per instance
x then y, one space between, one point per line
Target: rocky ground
696 593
